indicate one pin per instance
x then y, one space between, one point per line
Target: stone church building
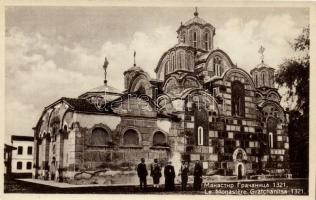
200 106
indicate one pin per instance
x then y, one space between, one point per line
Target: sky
54 52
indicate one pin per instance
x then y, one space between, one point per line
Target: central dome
197 33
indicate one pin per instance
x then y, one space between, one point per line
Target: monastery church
200 106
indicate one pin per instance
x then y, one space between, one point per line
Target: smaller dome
102 88
111 92
134 68
261 66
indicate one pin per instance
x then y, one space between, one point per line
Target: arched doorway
239 171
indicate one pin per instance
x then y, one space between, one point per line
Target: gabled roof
83 105
80 105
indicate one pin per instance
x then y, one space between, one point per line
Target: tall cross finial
105 66
261 51
134 58
196 12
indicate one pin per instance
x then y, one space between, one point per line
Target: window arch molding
107 131
130 128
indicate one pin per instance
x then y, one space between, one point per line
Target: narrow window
194 40
19 165
217 66
263 79
200 135
29 165
238 99
29 150
173 63
181 60
167 70
271 129
206 41
20 150
270 139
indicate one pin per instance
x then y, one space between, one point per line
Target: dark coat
142 171
155 172
198 171
184 173
169 177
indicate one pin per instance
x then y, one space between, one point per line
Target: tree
293 74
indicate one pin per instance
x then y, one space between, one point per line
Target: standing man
142 174
198 170
184 171
155 173
169 177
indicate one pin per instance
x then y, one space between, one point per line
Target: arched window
130 138
141 90
168 66
183 37
217 66
270 139
159 139
173 62
189 60
65 128
206 41
194 40
200 135
99 137
263 79
256 80
271 129
238 99
167 70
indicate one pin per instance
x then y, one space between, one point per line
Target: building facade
200 106
22 157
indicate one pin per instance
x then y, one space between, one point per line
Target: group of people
169 174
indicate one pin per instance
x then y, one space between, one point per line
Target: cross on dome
134 58
261 51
